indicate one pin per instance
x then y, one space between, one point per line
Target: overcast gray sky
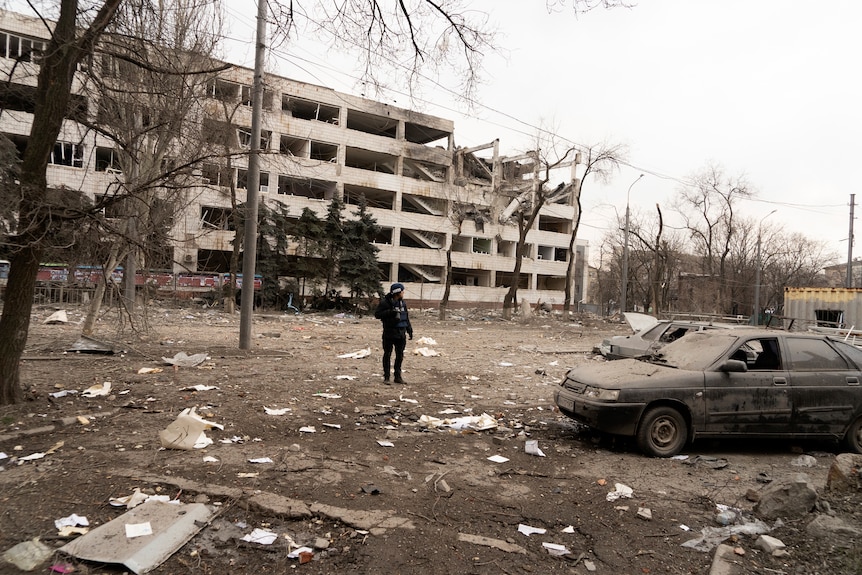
768 89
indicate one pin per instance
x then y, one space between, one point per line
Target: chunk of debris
172 525
489 542
58 316
182 359
187 431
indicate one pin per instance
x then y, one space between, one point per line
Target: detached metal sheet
172 526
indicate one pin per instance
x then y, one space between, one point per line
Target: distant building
320 144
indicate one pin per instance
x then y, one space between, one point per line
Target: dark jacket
394 317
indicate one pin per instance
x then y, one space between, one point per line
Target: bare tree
530 195
600 162
148 77
435 34
73 36
708 208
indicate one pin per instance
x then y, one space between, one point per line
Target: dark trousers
398 343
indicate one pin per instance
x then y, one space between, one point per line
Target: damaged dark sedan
722 383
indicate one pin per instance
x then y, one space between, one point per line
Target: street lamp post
757 272
625 271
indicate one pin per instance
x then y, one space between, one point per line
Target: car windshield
696 351
653 333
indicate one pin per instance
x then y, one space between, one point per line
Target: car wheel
853 438
662 432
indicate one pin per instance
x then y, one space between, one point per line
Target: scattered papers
332 425
260 460
426 341
32 457
247 475
527 530
505 364
482 422
385 443
498 459
63 393
210 459
619 491
569 529
187 431
261 536
426 352
97 390
182 359
356 354
712 536
307 429
58 316
297 553
556 550
532 448
199 387
448 411
138 529
136 498
407 399
347 377
329 395
146 370
72 520
276 411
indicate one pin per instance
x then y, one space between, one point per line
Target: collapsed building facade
428 196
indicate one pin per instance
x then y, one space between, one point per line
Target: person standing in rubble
392 313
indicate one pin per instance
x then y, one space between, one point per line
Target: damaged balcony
309 110
374 197
372 124
369 160
420 274
307 188
426 135
424 205
425 171
421 239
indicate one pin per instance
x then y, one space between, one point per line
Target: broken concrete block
829 526
769 544
844 474
795 497
28 555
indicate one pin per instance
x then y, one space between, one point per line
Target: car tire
853 437
662 432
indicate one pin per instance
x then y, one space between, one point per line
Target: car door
757 401
825 386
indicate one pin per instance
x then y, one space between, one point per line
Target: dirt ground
372 489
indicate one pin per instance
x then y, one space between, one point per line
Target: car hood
639 321
631 374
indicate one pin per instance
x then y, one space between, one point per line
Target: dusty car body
723 383
650 334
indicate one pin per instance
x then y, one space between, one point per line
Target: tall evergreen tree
334 242
308 233
358 267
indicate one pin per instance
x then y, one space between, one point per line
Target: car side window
769 357
674 333
814 355
851 351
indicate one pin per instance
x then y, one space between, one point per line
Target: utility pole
759 264
624 281
849 282
249 256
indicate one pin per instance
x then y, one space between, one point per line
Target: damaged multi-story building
428 195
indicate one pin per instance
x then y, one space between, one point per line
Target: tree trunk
96 303
15 323
53 89
444 303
